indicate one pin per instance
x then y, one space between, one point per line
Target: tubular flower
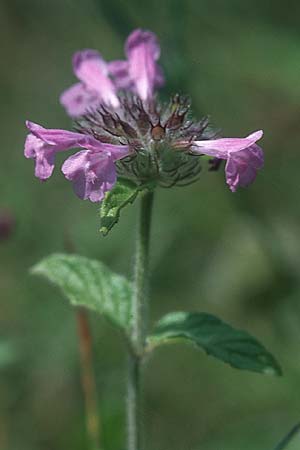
244 157
123 130
99 80
91 170
140 73
95 85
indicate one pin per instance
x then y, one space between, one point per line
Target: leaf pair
90 283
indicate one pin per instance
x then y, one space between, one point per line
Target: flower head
123 130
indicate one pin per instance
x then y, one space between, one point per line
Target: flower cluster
122 130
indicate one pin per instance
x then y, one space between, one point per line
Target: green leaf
89 283
217 338
123 193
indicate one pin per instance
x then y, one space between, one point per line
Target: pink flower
161 139
92 174
91 170
99 81
140 73
95 86
244 158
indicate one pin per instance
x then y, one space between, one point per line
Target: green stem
139 326
88 379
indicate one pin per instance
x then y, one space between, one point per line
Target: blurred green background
235 255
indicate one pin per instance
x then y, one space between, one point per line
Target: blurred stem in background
139 326
288 438
88 379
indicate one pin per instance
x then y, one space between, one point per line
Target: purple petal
221 148
75 164
44 164
64 140
140 37
119 71
92 70
117 151
77 100
105 181
42 153
60 139
42 144
241 167
92 174
257 157
142 50
32 143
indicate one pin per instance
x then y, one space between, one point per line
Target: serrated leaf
235 347
89 283
123 193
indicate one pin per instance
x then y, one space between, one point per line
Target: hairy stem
88 379
139 326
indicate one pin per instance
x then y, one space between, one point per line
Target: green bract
123 193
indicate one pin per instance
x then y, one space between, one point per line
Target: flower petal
77 100
32 143
92 174
43 155
241 167
120 74
75 164
257 157
117 151
221 148
105 181
42 144
142 50
64 140
61 139
92 70
44 164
